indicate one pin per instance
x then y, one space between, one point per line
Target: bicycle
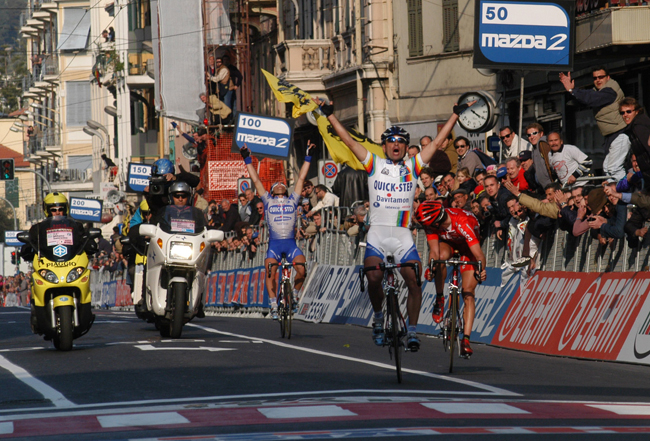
453 322
285 296
395 325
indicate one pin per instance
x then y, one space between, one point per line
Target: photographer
162 177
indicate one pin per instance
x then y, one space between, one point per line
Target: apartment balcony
305 62
625 27
72 179
50 68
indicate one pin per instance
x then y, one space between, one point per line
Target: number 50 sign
264 135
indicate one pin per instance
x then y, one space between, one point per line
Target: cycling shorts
288 247
466 255
383 240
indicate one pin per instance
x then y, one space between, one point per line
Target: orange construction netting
223 169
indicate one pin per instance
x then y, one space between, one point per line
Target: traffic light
13 258
7 169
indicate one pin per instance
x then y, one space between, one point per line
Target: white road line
624 409
142 419
200 348
48 392
474 408
14 312
491 390
35 348
304 412
6 428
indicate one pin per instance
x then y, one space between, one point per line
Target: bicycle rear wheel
394 331
288 306
453 325
281 313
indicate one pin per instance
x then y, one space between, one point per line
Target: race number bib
59 236
182 226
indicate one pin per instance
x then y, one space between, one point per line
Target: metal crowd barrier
559 250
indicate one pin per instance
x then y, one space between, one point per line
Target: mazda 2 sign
532 35
86 209
264 135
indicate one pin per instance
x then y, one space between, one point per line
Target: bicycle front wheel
453 325
394 331
288 306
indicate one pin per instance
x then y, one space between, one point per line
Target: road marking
490 390
200 348
474 408
304 412
240 341
141 419
624 409
186 341
14 312
35 348
6 428
48 392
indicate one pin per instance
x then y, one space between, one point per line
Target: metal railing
558 251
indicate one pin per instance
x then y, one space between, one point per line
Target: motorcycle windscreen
60 238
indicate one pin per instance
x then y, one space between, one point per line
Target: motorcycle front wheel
64 328
178 310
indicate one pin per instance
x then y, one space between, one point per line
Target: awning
76 26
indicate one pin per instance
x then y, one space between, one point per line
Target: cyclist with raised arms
280 211
450 229
392 183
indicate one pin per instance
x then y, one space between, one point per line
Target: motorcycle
177 264
61 296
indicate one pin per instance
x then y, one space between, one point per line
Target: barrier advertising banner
237 288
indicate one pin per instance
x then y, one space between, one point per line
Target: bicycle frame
284 295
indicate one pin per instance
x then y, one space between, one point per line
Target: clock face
477 117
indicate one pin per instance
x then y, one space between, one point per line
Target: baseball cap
502 172
525 155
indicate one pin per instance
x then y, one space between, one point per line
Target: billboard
138 177
264 135
531 35
86 209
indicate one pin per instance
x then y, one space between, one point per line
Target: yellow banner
288 93
339 151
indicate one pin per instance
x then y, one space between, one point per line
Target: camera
157 185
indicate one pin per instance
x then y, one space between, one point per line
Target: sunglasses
180 196
260 208
600 77
461 146
531 134
623 112
396 139
505 136
57 210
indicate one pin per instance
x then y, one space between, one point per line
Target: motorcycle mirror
23 236
125 240
213 235
147 230
94 233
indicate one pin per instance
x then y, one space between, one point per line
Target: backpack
485 159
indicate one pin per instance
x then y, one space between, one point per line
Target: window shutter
78 103
415 28
450 39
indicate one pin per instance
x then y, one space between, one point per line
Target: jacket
548 209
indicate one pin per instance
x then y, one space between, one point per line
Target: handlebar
389 266
456 261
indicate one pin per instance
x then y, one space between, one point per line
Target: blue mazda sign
531 35
138 176
263 135
86 209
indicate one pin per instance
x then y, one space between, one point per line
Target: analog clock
482 116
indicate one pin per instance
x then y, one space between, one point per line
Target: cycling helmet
144 207
55 200
279 183
162 167
395 131
429 213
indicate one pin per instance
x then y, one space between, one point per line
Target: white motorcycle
176 276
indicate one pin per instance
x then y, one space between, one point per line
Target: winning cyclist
450 229
392 183
280 213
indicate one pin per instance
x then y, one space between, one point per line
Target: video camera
158 185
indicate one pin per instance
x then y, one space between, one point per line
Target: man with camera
162 178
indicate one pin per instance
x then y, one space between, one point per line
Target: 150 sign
531 35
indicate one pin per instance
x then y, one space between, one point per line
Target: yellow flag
339 151
286 92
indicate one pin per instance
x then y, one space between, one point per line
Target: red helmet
430 212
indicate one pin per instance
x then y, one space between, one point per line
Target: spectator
569 211
461 199
465 181
228 217
610 220
211 75
244 208
314 231
308 192
350 186
605 98
222 78
479 176
521 244
633 181
258 214
105 35
413 150
540 151
218 110
426 179
104 245
635 228
358 223
440 162
467 158
111 34
430 194
449 150
325 199
511 144
547 209
515 173
449 179
638 131
498 197
568 161
236 79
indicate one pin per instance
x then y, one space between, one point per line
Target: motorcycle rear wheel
64 327
178 310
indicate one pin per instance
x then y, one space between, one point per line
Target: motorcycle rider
163 170
137 242
180 217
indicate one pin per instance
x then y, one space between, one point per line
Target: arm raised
359 151
246 154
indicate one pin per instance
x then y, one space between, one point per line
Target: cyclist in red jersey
450 229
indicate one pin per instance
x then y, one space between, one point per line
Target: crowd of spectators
15 290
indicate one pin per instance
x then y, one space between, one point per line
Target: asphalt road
234 378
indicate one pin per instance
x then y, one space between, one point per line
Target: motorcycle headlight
74 274
49 276
180 250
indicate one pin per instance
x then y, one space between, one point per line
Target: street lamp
15 129
111 110
92 132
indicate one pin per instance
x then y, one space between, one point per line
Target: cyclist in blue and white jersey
392 183
280 210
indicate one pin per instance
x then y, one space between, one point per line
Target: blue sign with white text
138 177
86 209
535 35
11 240
263 135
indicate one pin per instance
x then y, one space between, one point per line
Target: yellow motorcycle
60 308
